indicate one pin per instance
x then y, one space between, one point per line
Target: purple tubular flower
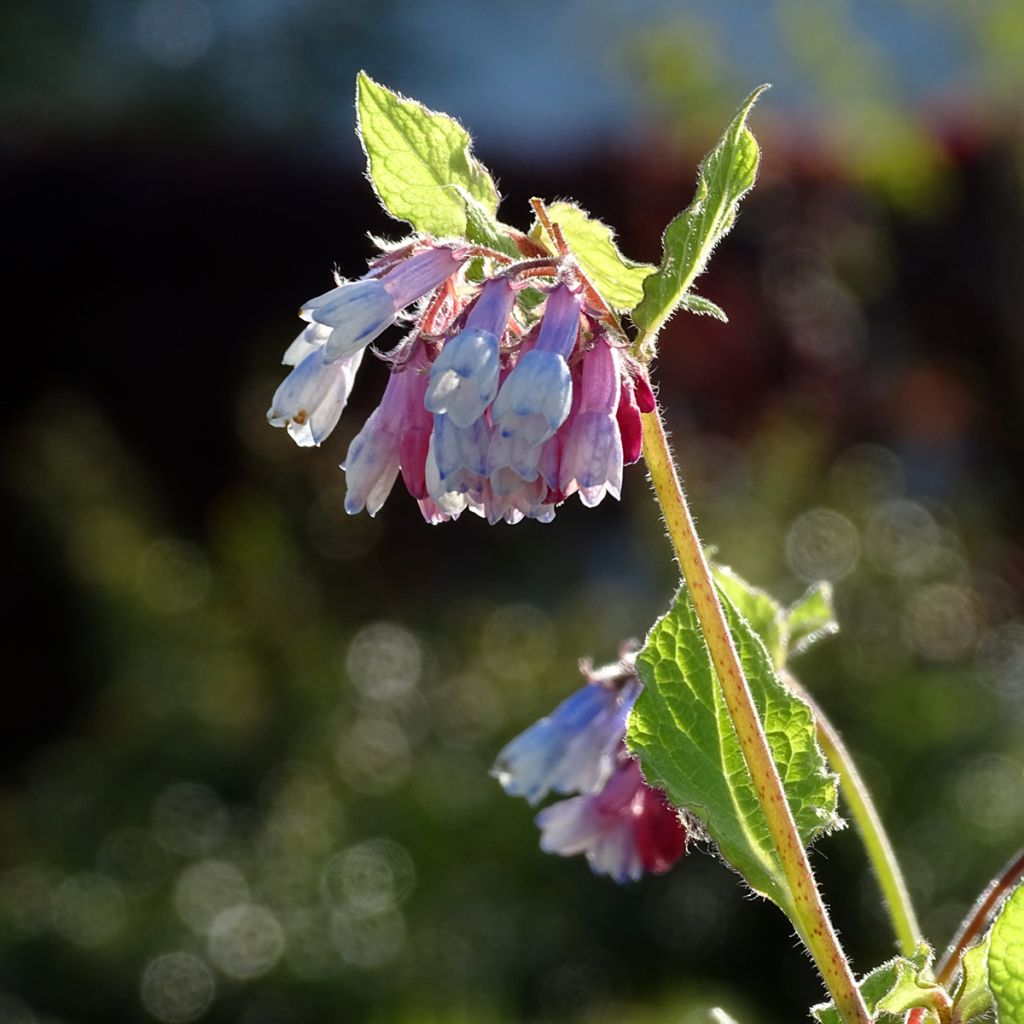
571 750
419 274
591 457
358 311
464 377
392 439
536 396
625 829
624 826
311 399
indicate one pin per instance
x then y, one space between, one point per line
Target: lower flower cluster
622 825
493 405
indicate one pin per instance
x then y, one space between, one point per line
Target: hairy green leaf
682 733
418 159
484 228
1006 960
760 609
618 279
726 174
694 303
892 989
811 618
973 997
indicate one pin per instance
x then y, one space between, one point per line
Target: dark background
248 732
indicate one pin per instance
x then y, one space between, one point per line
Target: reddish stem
977 920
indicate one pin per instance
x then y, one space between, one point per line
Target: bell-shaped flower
393 439
572 750
358 311
591 455
464 377
311 399
624 826
525 500
625 829
461 486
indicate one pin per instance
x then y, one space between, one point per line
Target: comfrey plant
522 380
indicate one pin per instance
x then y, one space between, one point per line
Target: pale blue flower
311 399
574 748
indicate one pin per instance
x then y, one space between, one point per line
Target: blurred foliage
877 92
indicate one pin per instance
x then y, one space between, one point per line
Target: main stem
807 909
869 825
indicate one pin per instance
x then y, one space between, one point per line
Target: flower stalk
870 828
806 908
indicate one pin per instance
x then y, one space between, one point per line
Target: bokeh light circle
177 987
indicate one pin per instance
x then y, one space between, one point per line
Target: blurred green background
246 738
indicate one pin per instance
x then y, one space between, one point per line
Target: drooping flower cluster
624 826
506 398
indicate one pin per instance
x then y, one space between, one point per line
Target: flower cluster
624 826
505 399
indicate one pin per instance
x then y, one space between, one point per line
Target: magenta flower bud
642 388
627 416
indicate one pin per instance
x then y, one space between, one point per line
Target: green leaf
484 228
811 618
760 609
694 303
974 997
417 160
1006 960
682 733
892 989
618 279
726 174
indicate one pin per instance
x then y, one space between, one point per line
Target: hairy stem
869 825
976 921
806 910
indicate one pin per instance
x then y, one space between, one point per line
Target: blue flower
464 377
623 826
574 748
358 311
311 399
